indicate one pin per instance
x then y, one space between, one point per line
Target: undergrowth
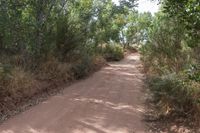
173 71
174 94
113 52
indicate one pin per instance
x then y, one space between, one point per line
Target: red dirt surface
110 101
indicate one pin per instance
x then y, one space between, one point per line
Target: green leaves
188 13
194 72
5 71
39 27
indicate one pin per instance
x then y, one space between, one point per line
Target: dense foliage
44 42
171 57
48 41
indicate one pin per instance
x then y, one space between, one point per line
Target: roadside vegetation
46 43
53 42
171 57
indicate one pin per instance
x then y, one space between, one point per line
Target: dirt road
109 101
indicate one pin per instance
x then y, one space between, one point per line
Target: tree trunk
39 29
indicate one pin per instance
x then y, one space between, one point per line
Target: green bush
113 52
173 93
5 71
194 72
86 61
165 51
82 67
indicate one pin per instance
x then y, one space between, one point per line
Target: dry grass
113 52
56 71
98 62
17 84
18 87
14 88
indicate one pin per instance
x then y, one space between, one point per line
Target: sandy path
110 101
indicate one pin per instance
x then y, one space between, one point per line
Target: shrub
113 52
84 61
17 84
194 72
21 83
132 49
82 67
98 62
5 71
173 93
54 70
